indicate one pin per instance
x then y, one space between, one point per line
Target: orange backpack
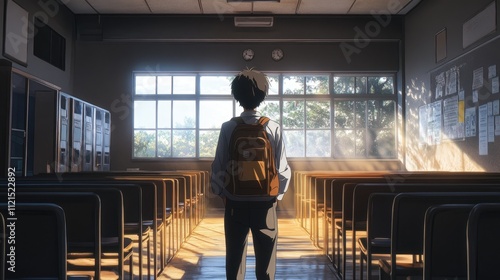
252 168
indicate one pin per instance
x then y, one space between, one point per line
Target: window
323 115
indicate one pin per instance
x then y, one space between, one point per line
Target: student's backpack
252 169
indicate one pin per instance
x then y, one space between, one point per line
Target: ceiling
228 7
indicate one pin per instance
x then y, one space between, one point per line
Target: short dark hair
250 88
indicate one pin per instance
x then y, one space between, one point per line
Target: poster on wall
453 125
16 33
483 130
430 116
470 122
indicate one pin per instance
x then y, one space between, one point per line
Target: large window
323 115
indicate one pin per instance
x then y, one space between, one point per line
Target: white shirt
221 160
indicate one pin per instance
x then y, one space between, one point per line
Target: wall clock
248 54
277 54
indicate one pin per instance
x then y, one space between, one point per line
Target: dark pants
259 217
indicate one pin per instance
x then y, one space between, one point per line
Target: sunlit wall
421 27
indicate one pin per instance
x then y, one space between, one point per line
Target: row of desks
324 200
171 204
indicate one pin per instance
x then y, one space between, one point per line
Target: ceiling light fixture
251 21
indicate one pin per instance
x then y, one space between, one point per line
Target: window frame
281 98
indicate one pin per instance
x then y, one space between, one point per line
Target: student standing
242 214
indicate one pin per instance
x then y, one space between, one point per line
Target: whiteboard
16 33
479 26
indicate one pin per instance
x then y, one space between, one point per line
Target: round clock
248 54
277 54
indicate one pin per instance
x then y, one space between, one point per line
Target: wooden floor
203 254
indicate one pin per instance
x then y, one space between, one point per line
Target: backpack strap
263 120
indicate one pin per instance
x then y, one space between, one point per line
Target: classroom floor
203 254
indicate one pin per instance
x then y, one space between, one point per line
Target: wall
421 26
110 48
59 18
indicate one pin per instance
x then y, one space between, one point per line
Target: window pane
294 143
343 144
144 114
318 114
274 86
271 109
317 85
184 114
220 85
164 114
361 85
164 140
184 85
343 85
361 143
238 109
318 143
384 146
381 113
208 142
184 143
164 84
144 143
145 85
293 85
380 85
293 114
214 113
360 114
344 114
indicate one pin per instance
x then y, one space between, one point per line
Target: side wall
421 26
61 20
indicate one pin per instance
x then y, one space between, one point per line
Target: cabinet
43 129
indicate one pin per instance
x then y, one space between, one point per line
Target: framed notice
441 45
16 33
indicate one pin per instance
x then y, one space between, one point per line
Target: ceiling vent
253 21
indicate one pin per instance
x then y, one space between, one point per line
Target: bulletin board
465 100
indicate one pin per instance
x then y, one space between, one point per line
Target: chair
445 241
483 230
378 230
171 210
407 229
83 226
112 223
39 251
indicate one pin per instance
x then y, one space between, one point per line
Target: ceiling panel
174 6
325 7
378 6
221 7
79 7
282 7
120 6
